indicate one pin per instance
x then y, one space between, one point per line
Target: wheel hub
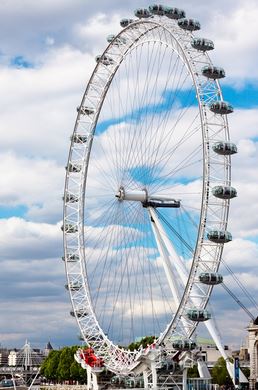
139 195
146 200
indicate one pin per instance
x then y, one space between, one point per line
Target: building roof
49 346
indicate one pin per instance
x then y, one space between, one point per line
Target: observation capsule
184 345
174 13
117 41
70 198
213 72
221 107
142 13
79 138
84 110
80 313
125 22
224 192
189 24
110 37
166 366
219 236
224 148
71 258
105 60
210 278
157 9
115 379
69 228
73 286
198 315
75 168
202 44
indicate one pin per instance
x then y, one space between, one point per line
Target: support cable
226 266
242 287
175 232
238 301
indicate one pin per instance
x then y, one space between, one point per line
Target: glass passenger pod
210 278
79 138
198 315
110 37
202 44
213 72
80 313
224 192
189 24
70 198
105 60
166 366
221 107
184 345
125 22
219 236
157 9
116 41
224 148
73 286
174 13
71 258
142 13
69 228
74 168
84 110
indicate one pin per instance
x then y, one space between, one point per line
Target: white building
12 358
209 352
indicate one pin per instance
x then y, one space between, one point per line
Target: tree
219 373
61 366
49 367
144 342
78 373
193 372
65 361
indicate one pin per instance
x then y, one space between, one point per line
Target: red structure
90 358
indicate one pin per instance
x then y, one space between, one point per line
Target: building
253 353
209 351
12 358
4 356
47 349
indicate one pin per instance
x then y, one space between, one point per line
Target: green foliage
61 366
65 361
246 371
193 372
144 342
49 367
219 373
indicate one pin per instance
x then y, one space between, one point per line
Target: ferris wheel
147 189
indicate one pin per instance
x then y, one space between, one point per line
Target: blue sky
44 67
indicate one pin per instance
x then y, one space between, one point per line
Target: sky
47 54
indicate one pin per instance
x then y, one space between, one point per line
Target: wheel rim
121 168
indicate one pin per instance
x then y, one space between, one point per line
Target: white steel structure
147 191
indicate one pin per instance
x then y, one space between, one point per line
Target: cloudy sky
47 52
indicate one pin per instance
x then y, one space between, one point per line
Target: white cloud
234 33
34 183
94 31
23 239
50 41
241 254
